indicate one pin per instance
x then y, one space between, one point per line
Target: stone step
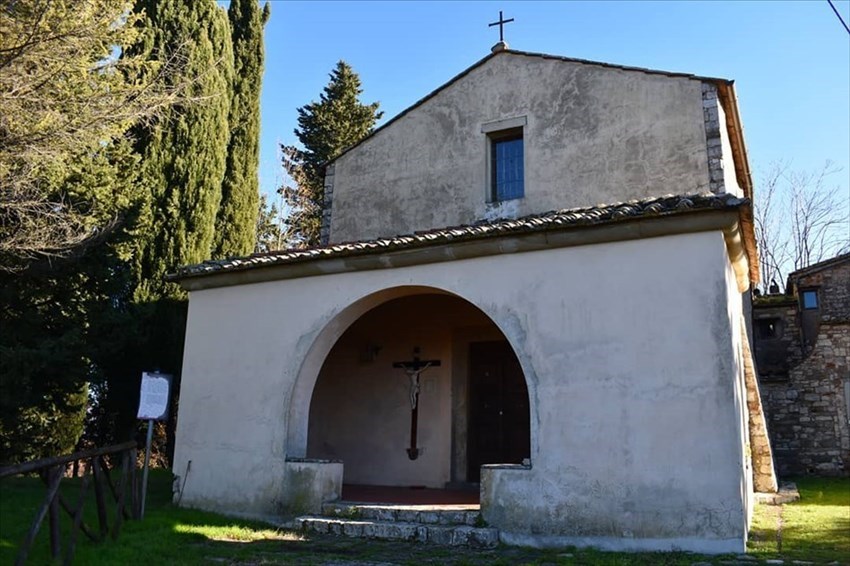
447 535
469 515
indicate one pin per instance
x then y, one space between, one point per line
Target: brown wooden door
499 426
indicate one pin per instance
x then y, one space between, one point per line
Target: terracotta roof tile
576 218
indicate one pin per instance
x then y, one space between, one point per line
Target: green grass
815 529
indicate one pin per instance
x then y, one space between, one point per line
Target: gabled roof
814 268
725 87
481 62
555 221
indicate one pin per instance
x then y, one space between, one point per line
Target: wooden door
499 427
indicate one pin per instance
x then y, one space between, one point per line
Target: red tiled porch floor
408 495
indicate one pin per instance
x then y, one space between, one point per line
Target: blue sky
790 60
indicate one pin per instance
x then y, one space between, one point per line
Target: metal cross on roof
501 23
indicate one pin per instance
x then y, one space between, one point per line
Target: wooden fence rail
97 475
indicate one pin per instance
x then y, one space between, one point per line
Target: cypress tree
236 222
182 167
183 155
325 128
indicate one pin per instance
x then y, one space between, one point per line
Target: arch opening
420 391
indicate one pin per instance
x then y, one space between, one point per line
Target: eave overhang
574 227
735 129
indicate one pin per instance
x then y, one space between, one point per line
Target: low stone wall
531 509
308 483
807 414
764 475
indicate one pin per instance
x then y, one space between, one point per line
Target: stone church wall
591 135
807 414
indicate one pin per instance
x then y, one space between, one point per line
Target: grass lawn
815 529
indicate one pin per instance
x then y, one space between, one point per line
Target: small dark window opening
507 169
810 299
768 328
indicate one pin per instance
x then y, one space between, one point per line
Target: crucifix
501 23
414 369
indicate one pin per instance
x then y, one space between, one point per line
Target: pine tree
268 226
325 129
52 315
236 222
63 98
183 155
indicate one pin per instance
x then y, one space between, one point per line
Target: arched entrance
420 391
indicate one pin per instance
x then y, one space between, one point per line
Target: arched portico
459 422
619 411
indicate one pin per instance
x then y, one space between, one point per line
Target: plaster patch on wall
500 210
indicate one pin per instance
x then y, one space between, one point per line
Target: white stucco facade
625 320
629 355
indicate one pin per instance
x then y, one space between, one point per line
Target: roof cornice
572 227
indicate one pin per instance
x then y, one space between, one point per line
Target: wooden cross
501 23
414 369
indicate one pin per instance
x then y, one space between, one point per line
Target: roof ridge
823 264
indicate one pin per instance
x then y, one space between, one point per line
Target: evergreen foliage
183 155
269 236
183 158
325 129
53 316
64 94
235 225
114 130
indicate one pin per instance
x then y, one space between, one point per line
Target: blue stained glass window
508 169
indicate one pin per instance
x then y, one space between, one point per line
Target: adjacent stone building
532 286
802 344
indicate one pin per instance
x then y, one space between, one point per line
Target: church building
533 288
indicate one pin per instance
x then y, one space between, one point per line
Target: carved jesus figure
414 369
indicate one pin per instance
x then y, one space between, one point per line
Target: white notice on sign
153 402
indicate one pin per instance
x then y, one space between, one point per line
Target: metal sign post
153 406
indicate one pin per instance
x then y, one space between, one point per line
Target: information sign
153 401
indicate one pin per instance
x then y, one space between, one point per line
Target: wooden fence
97 472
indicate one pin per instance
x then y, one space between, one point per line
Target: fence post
77 520
99 499
122 492
55 535
55 476
134 483
52 471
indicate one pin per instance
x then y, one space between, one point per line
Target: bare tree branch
68 87
799 220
